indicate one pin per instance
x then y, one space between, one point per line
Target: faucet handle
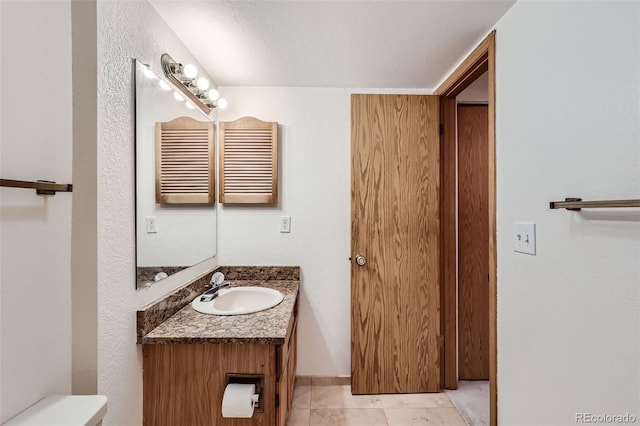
160 276
216 279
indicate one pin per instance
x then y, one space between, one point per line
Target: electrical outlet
524 237
152 225
285 223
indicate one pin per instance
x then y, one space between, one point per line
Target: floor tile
299 418
416 400
349 417
340 397
301 397
423 416
330 381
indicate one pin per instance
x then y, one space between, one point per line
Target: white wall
314 189
35 230
568 119
126 30
314 167
477 92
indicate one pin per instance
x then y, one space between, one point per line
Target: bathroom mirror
169 237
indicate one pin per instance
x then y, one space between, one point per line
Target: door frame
479 61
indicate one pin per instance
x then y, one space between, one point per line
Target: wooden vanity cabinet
183 384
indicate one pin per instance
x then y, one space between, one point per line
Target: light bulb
164 85
213 95
190 105
190 71
148 73
178 96
202 83
222 103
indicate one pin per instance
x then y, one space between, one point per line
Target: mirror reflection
169 237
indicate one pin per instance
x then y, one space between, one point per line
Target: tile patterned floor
328 402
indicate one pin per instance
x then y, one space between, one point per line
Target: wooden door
395 318
473 242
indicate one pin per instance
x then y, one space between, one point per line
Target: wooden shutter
184 162
248 163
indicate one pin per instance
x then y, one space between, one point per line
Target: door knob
361 260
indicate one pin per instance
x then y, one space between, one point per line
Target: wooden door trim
471 68
481 59
448 245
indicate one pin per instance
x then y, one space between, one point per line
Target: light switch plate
524 237
285 223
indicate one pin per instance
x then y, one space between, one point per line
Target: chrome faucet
212 293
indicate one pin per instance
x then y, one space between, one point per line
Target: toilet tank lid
63 410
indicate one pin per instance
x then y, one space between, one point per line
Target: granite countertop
265 327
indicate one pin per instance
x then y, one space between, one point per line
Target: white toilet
63 410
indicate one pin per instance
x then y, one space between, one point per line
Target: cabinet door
292 364
287 376
281 410
185 162
248 162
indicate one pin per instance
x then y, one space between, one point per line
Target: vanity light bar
183 77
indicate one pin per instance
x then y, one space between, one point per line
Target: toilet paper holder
249 379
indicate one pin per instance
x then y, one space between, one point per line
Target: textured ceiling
368 44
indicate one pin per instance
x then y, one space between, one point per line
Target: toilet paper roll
237 400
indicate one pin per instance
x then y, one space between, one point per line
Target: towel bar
42 187
576 204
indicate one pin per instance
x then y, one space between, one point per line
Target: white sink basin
239 301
